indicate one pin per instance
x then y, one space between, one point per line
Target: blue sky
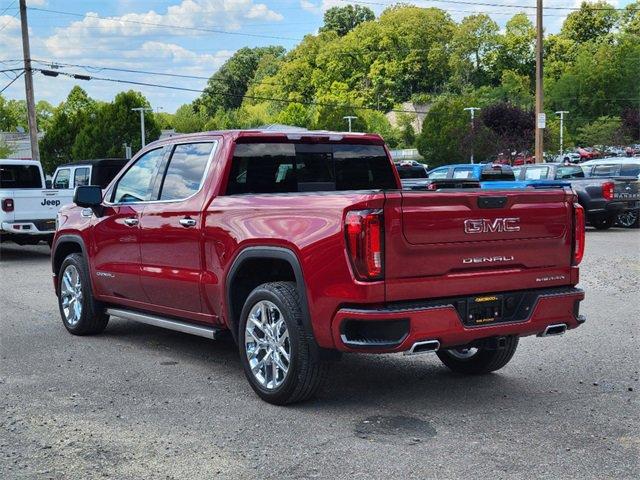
123 37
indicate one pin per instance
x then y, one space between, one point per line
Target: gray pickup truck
603 199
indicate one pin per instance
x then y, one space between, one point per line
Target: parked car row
28 204
606 188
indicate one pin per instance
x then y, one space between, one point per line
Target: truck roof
13 161
95 161
275 134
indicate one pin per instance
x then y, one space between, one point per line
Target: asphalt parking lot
142 402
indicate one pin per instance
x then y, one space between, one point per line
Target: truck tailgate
626 189
437 243
34 204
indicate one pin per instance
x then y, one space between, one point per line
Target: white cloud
209 14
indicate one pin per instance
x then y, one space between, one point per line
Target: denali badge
486 225
498 258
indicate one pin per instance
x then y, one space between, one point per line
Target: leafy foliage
344 19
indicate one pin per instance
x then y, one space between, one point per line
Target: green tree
295 114
189 118
474 46
13 114
5 150
630 19
344 19
593 21
227 87
115 123
443 130
605 130
64 125
516 48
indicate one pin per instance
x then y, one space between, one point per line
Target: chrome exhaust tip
551 330
426 346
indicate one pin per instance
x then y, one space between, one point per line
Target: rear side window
81 176
185 171
290 167
20 176
569 172
62 179
630 170
536 173
605 171
462 173
412 172
135 184
438 173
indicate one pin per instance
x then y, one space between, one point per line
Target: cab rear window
20 176
293 167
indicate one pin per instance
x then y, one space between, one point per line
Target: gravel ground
142 402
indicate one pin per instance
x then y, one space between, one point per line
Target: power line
179 27
9 21
11 82
486 4
10 5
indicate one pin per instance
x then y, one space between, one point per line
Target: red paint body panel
164 268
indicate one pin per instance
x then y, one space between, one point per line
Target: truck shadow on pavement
15 253
363 381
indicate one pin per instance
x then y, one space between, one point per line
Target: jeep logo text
51 203
486 225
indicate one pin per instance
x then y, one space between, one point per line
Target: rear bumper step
168 323
548 312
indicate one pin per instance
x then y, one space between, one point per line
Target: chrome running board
168 323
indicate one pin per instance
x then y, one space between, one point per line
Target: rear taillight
365 235
7 205
578 233
607 190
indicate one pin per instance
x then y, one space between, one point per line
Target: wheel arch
64 246
285 266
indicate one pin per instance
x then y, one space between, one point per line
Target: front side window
81 176
290 167
62 179
185 171
136 184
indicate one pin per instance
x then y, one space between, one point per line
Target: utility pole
349 118
142 110
28 83
540 116
561 113
472 110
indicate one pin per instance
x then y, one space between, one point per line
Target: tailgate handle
492 202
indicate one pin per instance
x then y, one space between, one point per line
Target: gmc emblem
486 225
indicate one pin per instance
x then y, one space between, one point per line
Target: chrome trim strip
177 325
547 333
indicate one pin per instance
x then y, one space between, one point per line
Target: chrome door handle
188 222
131 222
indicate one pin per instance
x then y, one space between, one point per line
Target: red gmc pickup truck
303 245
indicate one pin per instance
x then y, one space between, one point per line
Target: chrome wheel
71 295
267 345
627 219
462 353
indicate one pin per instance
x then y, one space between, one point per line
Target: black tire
305 372
602 223
93 318
629 219
484 361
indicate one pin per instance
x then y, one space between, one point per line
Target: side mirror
47 184
89 196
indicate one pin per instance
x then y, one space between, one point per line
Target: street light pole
472 110
561 113
142 110
349 118
540 117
